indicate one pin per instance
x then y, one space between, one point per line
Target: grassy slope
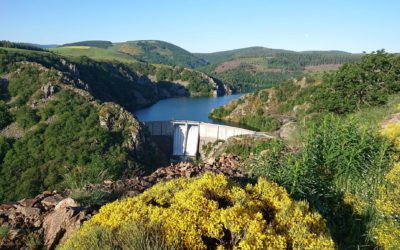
147 51
94 53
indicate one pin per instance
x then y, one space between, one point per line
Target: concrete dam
184 138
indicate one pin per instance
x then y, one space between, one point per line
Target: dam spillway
181 138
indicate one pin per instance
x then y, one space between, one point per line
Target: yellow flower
211 211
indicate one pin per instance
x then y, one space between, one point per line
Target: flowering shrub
212 212
392 131
387 231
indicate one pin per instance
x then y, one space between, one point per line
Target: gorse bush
211 212
387 229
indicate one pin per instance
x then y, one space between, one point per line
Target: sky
209 25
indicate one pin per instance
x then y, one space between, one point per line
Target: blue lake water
184 108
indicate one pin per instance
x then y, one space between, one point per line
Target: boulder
65 203
30 212
287 130
27 202
52 201
60 223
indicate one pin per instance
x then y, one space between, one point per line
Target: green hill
156 52
255 68
63 123
222 56
352 87
246 69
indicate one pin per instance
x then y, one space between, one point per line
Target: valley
71 121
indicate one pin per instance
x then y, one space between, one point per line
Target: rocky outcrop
226 164
50 218
46 219
287 130
115 118
48 90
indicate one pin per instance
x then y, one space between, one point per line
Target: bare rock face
60 223
115 118
48 90
49 217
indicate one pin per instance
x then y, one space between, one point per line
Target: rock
107 182
37 223
14 233
287 130
52 201
30 212
188 174
48 90
210 161
59 224
6 206
27 202
67 202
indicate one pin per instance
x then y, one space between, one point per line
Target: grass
77 47
373 116
4 230
94 53
134 235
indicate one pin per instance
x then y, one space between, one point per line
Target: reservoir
184 108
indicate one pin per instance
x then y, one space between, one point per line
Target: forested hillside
256 68
58 128
245 69
353 87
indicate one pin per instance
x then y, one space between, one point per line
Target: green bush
26 117
5 116
245 148
337 160
358 85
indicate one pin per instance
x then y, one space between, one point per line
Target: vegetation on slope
342 164
354 86
255 68
246 69
149 51
93 43
57 135
211 213
7 44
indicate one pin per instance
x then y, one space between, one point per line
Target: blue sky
209 25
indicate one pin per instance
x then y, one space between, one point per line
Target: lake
184 108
